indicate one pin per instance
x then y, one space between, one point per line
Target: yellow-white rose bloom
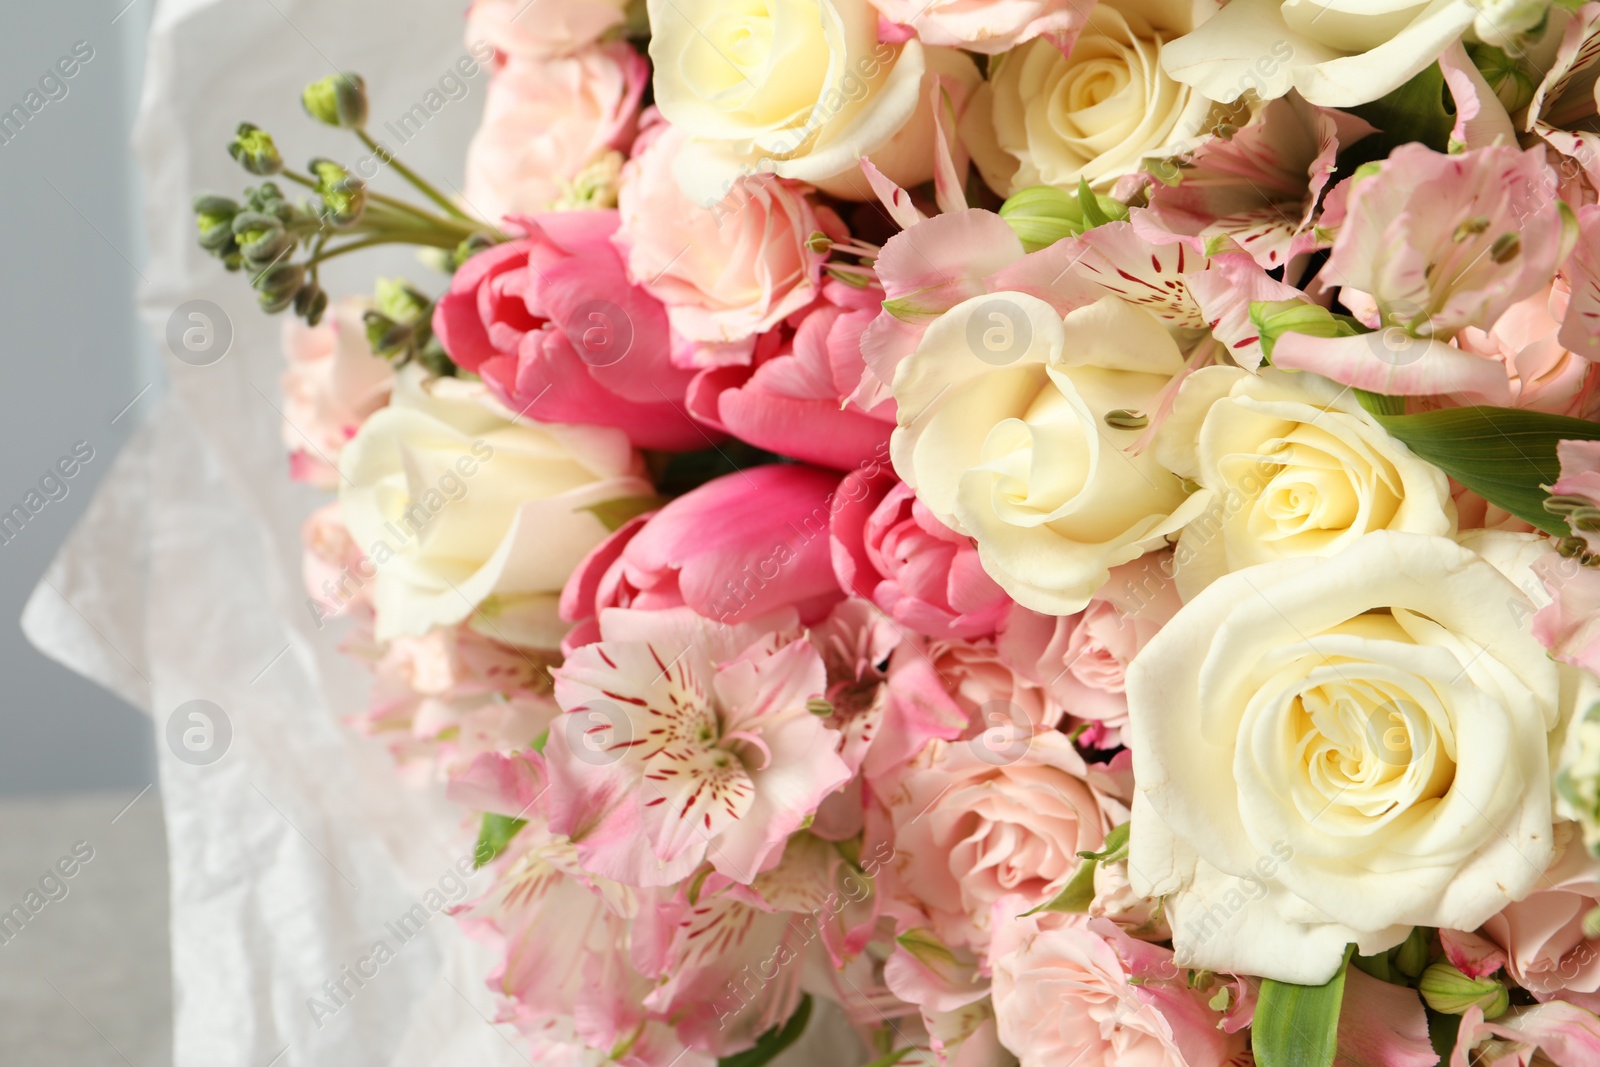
1292 466
1336 53
1332 750
1003 434
1096 113
455 505
799 88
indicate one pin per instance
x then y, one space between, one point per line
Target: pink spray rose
1542 936
687 741
546 120
1544 376
551 324
793 400
537 29
726 273
1082 659
332 384
985 26
445 698
1006 813
889 548
1071 989
739 547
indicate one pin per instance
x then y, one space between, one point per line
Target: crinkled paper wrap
293 854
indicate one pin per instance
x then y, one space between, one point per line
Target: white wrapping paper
293 854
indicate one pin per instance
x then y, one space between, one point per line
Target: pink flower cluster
802 728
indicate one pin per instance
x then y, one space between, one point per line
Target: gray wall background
74 356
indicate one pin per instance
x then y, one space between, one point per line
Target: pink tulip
551 323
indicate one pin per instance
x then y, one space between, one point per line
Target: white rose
1336 53
454 504
1332 750
1048 119
1293 466
1003 436
799 88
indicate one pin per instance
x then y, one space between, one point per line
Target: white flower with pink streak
686 741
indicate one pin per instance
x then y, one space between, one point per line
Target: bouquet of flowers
1070 532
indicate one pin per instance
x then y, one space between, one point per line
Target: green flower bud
214 217
1274 318
338 100
1509 81
1449 991
398 301
1041 215
385 336
261 238
344 196
281 280
252 149
310 302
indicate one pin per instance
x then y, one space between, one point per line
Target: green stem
382 239
413 177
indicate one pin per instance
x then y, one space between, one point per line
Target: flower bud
1274 318
1449 991
1509 81
344 196
338 100
310 301
252 149
396 300
1041 215
261 238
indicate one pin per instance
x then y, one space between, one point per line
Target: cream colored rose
1003 434
1332 750
457 507
1095 113
800 88
1336 53
1292 466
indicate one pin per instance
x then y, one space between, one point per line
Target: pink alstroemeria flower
686 741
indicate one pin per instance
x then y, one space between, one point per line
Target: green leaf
774 1041
1077 894
1298 1025
1505 455
497 832
1414 112
1089 204
615 514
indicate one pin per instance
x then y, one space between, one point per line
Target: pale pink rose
452 695
889 548
1430 245
1553 1034
1544 376
686 741
725 274
333 382
985 26
738 547
1071 989
536 29
793 398
545 120
551 324
970 683
336 572
1082 659
1542 934
1006 813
